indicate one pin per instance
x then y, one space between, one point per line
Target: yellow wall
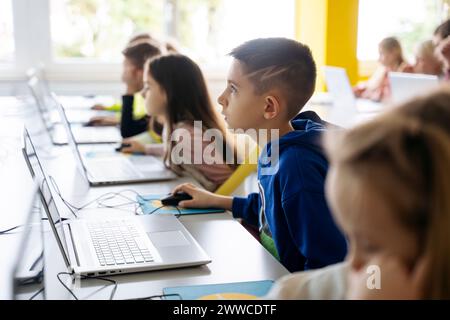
330 29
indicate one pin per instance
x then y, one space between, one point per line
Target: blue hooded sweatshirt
291 206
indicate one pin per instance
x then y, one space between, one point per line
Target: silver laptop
347 109
109 246
102 165
50 119
405 86
28 268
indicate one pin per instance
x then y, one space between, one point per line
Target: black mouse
174 199
123 145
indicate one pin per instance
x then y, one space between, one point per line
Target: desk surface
236 255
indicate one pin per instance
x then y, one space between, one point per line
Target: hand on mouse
133 146
103 121
202 198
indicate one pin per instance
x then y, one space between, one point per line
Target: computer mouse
123 145
174 199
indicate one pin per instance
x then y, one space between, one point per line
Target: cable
64 285
36 294
33 280
152 212
101 200
159 296
159 208
114 283
8 231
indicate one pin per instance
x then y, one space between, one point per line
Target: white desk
236 255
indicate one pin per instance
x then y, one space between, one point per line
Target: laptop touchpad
168 239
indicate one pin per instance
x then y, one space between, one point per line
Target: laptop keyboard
118 242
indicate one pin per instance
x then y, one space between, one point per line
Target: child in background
269 83
175 91
133 119
139 111
426 60
135 56
442 43
391 60
389 189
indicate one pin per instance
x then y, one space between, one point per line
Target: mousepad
151 204
225 291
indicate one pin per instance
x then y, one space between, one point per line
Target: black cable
101 200
33 280
162 296
36 294
114 283
64 285
68 205
7 231
10 229
159 208
152 212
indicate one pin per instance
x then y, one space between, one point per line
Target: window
210 29
98 29
6 32
205 29
412 21
82 40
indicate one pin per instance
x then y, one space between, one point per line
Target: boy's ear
272 107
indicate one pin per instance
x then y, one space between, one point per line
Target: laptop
405 86
50 120
347 109
102 165
28 267
117 245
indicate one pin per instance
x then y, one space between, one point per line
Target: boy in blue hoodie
269 82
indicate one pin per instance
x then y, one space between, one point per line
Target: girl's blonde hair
405 156
426 49
391 44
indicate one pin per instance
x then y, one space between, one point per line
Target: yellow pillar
330 29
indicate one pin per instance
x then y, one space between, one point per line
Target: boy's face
242 108
131 75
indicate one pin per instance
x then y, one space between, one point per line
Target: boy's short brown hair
279 63
139 51
443 31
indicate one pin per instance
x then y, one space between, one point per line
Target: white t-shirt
329 283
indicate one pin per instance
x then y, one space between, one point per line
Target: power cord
162 296
159 208
8 231
36 294
114 283
101 201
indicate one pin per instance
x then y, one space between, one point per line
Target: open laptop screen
70 137
48 201
28 270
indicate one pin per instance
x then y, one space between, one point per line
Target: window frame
33 48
